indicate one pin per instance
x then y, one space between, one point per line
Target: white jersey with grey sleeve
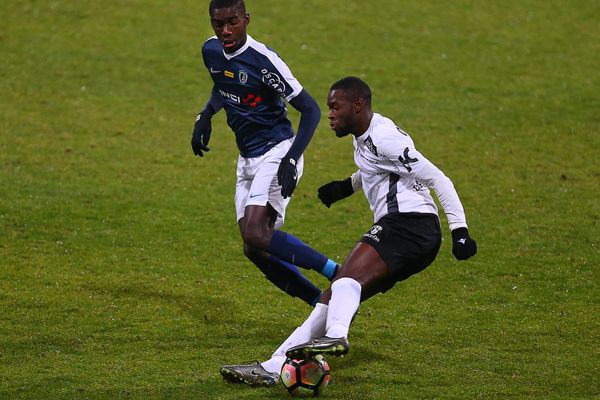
395 177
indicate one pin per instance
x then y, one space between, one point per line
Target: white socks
345 299
313 327
333 321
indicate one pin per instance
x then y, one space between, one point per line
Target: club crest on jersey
243 76
369 143
229 74
273 80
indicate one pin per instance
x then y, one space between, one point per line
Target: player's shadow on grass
358 355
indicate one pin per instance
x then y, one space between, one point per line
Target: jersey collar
240 50
365 135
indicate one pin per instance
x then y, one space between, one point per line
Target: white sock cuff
348 284
274 364
319 311
345 300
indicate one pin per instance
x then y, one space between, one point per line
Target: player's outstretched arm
310 114
203 126
463 246
334 191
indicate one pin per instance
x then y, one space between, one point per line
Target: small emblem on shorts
372 234
376 229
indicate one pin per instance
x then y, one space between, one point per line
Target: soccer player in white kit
404 240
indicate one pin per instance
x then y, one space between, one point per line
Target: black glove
463 246
334 191
287 176
201 134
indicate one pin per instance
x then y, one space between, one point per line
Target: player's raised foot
251 374
324 345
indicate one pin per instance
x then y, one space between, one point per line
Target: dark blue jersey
252 83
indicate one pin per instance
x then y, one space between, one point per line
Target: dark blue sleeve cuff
309 119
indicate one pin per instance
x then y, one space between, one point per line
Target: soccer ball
306 378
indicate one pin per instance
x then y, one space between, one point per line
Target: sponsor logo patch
372 148
251 100
229 74
406 160
273 80
233 97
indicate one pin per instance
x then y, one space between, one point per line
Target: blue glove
463 246
201 134
287 176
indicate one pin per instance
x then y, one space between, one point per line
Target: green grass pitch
121 267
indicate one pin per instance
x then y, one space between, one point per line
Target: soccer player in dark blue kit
251 83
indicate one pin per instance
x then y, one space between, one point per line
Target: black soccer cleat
251 374
324 345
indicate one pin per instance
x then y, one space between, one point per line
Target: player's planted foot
251 374
325 345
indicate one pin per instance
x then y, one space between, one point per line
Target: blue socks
293 250
288 278
330 269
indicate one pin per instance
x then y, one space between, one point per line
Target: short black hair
215 4
356 87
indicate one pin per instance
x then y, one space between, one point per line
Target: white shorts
257 181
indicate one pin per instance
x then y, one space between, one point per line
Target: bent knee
256 239
252 253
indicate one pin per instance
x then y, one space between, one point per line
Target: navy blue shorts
407 243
